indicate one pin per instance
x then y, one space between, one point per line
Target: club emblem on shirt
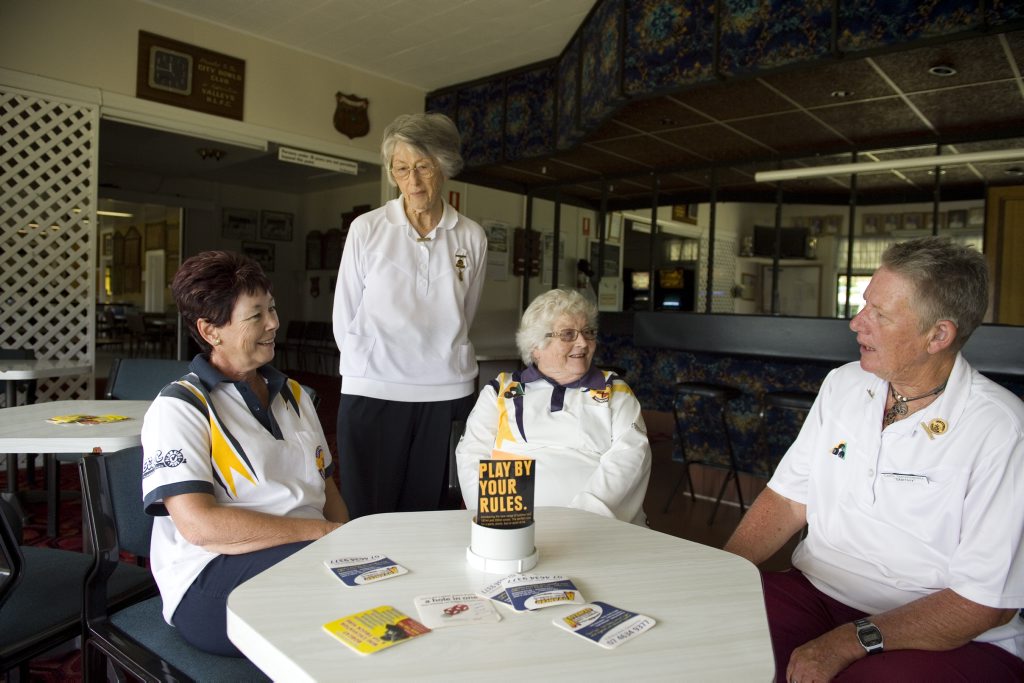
515 389
937 426
599 395
320 462
461 261
840 450
171 458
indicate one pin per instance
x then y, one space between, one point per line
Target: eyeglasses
422 170
569 334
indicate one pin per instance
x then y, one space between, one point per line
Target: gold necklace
899 405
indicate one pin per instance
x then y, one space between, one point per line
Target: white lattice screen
722 300
48 160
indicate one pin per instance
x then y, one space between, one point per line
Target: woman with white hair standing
408 287
581 425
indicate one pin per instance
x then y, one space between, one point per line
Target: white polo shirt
934 501
204 434
403 306
588 439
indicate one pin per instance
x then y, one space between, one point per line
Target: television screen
670 278
792 242
641 279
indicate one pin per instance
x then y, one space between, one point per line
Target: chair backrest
13 562
453 494
313 396
113 488
141 379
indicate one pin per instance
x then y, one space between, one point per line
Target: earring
216 342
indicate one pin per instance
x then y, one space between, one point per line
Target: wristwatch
869 636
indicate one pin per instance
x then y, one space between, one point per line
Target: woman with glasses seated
581 425
410 280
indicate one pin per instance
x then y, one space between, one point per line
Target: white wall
95 44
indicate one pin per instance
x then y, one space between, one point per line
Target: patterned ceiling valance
634 49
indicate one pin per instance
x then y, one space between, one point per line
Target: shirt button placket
422 281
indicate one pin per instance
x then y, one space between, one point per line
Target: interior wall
95 44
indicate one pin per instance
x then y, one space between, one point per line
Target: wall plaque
191 77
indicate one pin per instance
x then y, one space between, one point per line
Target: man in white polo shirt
908 474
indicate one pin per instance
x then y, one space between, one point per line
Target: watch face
870 636
170 70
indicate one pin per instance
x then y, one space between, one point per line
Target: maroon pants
798 613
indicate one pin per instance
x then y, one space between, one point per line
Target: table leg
52 495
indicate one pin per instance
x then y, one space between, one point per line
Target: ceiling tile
600 162
813 87
647 150
870 123
715 142
789 132
657 115
977 61
971 108
735 100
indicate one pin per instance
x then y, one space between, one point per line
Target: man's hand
823 658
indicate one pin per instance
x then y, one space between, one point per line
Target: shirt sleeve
176 452
619 484
348 292
476 286
477 443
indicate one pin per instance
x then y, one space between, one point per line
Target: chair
41 595
293 337
130 379
782 415
453 491
140 335
702 432
141 379
134 637
313 396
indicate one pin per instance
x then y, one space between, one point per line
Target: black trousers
202 615
393 455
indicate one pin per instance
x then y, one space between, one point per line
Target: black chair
453 491
134 637
141 379
702 434
41 595
782 415
292 344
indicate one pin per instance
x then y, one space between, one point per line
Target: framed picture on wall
957 219
238 224
262 253
276 225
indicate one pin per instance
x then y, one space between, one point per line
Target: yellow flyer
86 419
373 630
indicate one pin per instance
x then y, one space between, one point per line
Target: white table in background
708 604
14 370
24 429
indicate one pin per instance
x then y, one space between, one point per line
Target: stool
708 426
777 435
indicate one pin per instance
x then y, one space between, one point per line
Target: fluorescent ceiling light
114 214
887 165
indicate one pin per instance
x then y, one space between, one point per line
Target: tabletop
708 604
37 368
24 429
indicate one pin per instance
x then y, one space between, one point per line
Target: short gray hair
432 135
541 315
950 281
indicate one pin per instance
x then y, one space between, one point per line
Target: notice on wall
506 493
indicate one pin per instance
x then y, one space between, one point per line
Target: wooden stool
791 408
